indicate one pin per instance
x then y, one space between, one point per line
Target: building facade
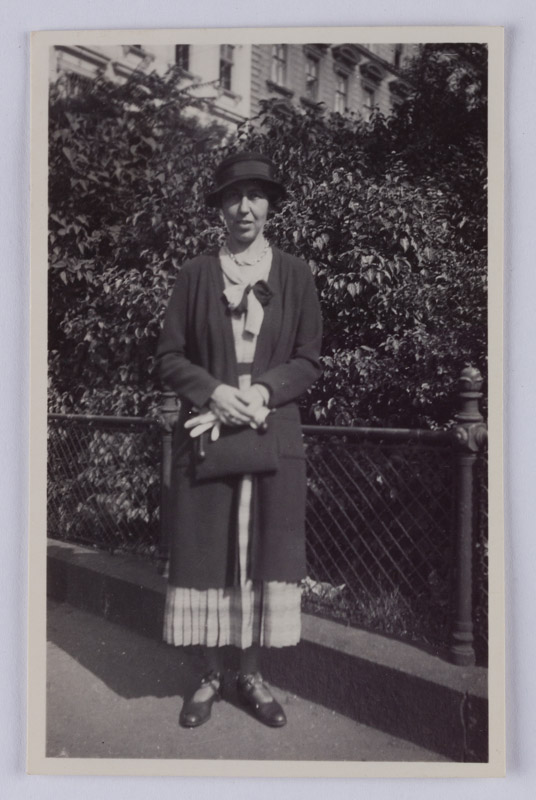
343 77
234 78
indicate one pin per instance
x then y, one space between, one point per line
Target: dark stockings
249 659
213 659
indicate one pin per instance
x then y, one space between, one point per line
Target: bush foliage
390 214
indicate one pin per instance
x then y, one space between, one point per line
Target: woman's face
244 206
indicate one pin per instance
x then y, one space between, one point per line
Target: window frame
340 75
370 92
226 66
311 60
182 54
279 64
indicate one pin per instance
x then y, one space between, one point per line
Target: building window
370 101
279 64
226 66
397 58
311 78
182 56
341 92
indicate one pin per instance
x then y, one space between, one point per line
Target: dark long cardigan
196 353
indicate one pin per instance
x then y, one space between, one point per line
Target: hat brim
213 198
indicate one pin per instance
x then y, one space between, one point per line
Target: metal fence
392 543
480 555
379 514
103 482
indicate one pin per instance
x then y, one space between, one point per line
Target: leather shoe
256 695
196 712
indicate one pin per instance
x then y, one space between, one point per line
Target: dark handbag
238 451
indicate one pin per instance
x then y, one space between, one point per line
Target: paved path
115 694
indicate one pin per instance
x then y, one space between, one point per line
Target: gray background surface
22 16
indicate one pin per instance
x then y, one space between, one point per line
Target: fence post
470 435
169 411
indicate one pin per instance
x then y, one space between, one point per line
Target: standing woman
240 344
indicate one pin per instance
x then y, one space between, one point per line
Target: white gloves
208 421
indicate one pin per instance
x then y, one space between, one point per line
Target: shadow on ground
112 693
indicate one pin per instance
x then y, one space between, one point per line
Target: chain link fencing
379 545
103 483
380 528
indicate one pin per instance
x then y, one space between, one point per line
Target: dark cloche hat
243 167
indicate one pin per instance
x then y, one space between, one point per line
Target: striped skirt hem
266 613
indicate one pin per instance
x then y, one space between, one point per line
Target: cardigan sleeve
188 380
291 379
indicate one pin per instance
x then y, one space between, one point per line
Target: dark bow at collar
262 292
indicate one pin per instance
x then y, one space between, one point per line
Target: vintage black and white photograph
268 394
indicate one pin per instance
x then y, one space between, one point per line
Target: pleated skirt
265 613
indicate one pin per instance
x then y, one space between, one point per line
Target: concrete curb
378 681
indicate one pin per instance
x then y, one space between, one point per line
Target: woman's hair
273 194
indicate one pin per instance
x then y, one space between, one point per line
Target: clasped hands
231 406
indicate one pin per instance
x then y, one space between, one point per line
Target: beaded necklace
233 257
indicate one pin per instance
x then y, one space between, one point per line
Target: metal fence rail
392 542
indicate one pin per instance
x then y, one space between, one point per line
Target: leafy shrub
128 169
103 485
390 214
